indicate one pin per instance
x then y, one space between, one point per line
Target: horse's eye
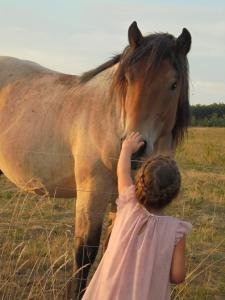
174 86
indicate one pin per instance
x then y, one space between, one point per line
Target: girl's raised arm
130 145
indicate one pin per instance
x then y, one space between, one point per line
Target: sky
73 36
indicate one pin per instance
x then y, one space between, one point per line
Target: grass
36 242
36 233
202 202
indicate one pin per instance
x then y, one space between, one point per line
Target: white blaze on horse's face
151 102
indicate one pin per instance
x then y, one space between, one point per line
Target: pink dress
136 264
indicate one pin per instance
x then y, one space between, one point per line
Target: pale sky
73 36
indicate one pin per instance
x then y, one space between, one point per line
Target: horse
62 133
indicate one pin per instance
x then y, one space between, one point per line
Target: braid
157 182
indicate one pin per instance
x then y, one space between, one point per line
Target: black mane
92 73
155 46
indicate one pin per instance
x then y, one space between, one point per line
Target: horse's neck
104 99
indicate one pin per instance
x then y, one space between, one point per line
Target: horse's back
13 69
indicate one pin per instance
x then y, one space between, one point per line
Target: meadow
36 233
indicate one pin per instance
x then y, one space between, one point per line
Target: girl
146 249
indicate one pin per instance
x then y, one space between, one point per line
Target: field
36 233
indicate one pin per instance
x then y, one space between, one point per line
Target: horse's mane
92 73
154 49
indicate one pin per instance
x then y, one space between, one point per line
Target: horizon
76 37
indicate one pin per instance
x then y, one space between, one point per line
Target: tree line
212 115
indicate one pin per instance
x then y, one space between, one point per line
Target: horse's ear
134 35
183 43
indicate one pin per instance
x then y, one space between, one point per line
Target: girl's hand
133 142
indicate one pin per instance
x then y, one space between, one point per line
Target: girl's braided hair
157 182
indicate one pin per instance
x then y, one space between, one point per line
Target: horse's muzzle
136 161
136 157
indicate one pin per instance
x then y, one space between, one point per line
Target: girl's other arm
177 270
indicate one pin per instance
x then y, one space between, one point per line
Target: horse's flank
48 120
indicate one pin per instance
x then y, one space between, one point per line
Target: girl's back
137 262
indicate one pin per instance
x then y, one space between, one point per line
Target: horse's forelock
154 49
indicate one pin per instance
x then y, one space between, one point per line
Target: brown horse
62 133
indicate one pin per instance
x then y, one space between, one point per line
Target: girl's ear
134 35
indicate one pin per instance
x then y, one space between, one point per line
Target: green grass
36 233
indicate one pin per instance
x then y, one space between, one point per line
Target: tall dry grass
36 233
202 202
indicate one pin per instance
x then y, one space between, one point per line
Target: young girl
146 249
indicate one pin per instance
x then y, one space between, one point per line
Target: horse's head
152 78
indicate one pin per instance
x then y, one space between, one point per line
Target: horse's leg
93 196
112 217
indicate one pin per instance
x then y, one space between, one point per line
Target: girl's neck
159 212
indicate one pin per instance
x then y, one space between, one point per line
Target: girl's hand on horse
133 142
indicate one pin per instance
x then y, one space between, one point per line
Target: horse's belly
37 160
63 188
39 173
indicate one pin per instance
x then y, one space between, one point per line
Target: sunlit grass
36 233
202 202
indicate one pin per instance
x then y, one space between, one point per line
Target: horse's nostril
122 139
145 143
141 150
135 159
